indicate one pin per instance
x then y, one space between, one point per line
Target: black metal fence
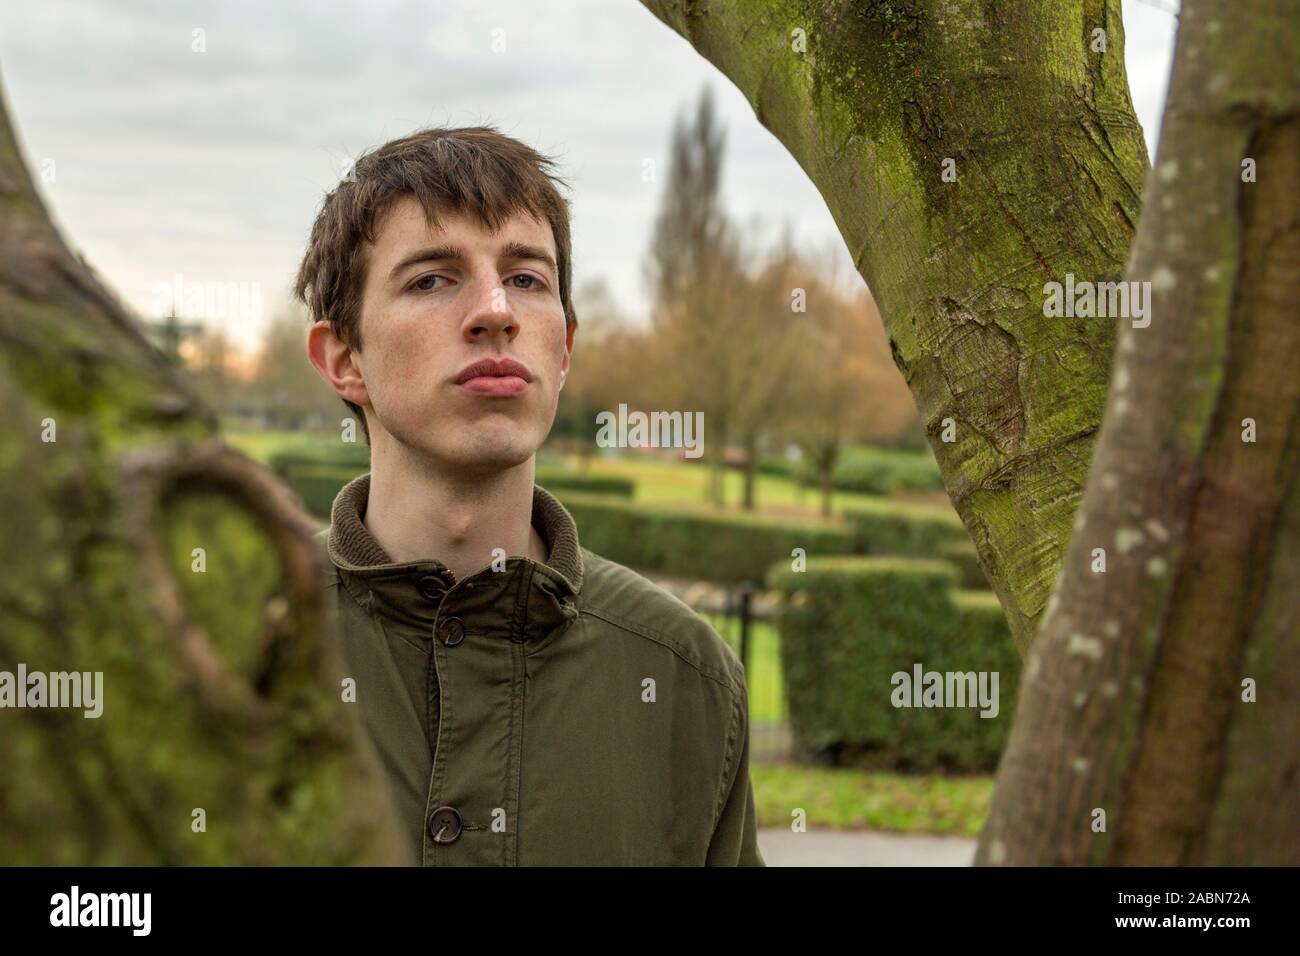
745 617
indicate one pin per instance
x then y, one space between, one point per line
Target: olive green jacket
566 713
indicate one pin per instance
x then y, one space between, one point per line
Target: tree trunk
718 468
1164 693
750 501
826 472
882 104
222 737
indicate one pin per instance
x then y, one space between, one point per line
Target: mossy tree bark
1162 696
221 687
1026 104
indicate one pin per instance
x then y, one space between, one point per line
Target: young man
532 703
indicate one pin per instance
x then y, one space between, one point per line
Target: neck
416 512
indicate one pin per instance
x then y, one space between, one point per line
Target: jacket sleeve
735 838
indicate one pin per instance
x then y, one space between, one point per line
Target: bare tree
699 282
286 386
831 382
969 152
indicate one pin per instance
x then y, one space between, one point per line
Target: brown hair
473 170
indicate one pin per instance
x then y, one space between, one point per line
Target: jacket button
444 825
431 587
452 631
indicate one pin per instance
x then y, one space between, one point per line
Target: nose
490 313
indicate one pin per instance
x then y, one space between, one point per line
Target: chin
491 454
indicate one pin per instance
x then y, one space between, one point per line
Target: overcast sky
212 166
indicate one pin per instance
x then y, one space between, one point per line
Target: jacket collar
526 601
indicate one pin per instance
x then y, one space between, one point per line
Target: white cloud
212 165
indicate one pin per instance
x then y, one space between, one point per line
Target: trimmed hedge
318 454
724 547
961 554
895 527
878 471
557 480
849 624
317 482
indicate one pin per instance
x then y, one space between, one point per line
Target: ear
335 362
570 332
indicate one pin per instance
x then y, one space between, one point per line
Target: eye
426 283
534 282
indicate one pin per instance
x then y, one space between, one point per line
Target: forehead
404 227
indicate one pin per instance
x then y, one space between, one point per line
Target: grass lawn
260 445
846 799
661 482
763 672
687 486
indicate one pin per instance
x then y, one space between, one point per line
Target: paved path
781 847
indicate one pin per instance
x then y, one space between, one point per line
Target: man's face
437 301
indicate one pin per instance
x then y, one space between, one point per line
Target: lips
494 376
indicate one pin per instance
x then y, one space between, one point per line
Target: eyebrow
511 250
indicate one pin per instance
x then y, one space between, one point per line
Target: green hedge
312 455
878 471
961 553
311 466
894 527
849 624
558 480
725 547
318 485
